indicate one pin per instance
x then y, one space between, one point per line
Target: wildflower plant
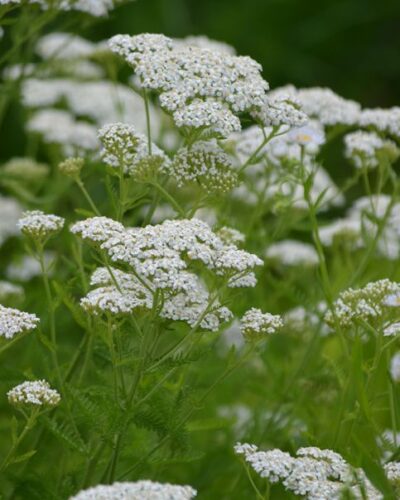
183 267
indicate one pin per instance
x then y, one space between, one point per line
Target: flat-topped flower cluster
159 258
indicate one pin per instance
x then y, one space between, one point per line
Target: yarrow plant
189 259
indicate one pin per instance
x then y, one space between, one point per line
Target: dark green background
352 46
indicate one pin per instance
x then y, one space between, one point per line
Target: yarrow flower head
139 490
292 253
368 149
39 226
35 393
205 163
124 147
257 325
367 304
97 8
14 322
281 110
159 258
185 75
313 473
71 167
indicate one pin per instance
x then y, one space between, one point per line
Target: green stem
169 198
31 420
148 124
87 196
224 375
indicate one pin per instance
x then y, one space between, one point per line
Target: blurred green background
352 46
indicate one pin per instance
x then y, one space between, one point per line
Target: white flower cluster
100 101
35 393
203 42
10 291
182 73
392 470
294 145
139 490
159 257
13 322
366 304
383 120
323 104
293 253
230 235
271 174
211 114
65 46
281 110
314 474
206 163
365 149
38 225
120 297
300 320
60 127
256 324
344 230
10 211
97 8
124 147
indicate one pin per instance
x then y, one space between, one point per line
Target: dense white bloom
392 470
140 490
230 235
383 120
392 300
366 148
101 101
13 322
211 115
10 211
160 258
392 330
60 127
10 291
38 225
64 46
203 42
327 107
314 473
293 253
346 230
97 8
122 297
28 267
35 393
256 324
281 110
124 147
206 163
395 367
98 229
181 73
367 303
